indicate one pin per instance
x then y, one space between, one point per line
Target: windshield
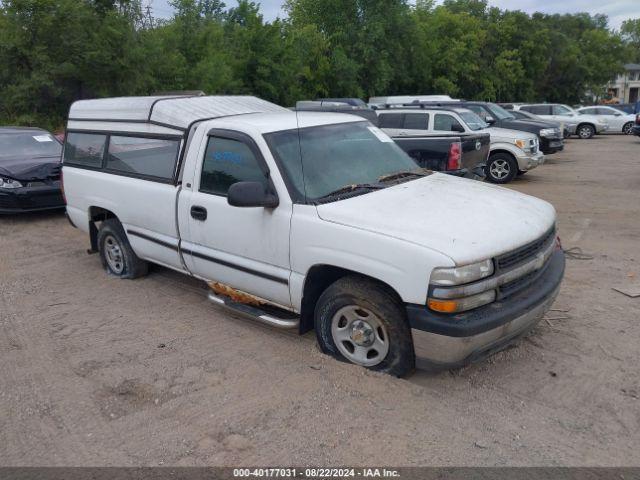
29 144
473 120
562 110
325 158
499 113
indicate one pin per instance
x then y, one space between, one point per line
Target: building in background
626 88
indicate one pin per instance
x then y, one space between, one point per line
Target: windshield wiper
349 189
403 174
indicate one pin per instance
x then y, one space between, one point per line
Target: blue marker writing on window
229 157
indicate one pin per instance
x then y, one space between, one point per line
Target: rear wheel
585 131
116 254
501 168
360 321
626 129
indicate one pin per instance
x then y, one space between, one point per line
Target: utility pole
148 16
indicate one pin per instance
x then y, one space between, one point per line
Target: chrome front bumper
441 351
531 161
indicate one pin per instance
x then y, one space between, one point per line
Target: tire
501 168
116 254
627 127
566 133
360 321
585 131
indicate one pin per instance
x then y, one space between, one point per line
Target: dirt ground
99 371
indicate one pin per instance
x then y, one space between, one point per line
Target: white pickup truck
311 221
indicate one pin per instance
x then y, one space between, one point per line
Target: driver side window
446 123
228 161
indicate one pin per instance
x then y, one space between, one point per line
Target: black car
636 128
524 115
29 170
550 136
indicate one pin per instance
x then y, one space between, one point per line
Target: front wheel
586 131
360 321
501 168
626 129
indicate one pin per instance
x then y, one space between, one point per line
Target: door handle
199 213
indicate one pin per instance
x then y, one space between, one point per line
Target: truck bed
432 151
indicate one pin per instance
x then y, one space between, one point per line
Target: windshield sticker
42 138
383 137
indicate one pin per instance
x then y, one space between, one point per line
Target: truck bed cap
177 112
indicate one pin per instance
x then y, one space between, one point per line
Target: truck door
244 248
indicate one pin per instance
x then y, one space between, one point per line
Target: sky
616 10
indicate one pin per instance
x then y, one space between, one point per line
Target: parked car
567 129
462 155
550 138
29 170
511 151
636 128
633 108
619 122
587 125
384 102
354 102
312 221
336 107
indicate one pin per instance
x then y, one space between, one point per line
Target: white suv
512 152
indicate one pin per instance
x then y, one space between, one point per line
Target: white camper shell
311 220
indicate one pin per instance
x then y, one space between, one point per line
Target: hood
26 168
466 220
533 126
498 133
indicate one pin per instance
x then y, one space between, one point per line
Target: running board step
286 321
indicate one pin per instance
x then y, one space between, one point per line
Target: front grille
525 252
518 284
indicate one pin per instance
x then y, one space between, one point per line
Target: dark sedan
29 170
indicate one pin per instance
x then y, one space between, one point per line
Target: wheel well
97 214
318 279
586 123
627 123
505 152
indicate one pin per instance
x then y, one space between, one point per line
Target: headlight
547 132
522 143
461 275
9 183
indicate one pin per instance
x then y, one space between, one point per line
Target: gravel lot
100 371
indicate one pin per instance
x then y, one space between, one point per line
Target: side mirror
457 128
617 114
490 120
251 194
